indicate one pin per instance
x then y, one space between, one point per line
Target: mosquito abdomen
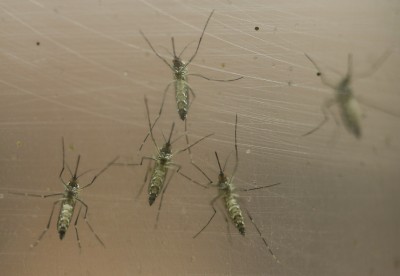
156 182
64 219
351 116
236 213
182 97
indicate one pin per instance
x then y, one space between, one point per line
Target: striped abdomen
64 218
182 97
156 182
235 212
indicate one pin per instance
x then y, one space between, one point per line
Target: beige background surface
80 69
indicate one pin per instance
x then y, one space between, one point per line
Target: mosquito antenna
219 164
201 37
154 50
77 165
148 120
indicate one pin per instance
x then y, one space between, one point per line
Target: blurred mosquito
344 97
68 201
226 191
179 68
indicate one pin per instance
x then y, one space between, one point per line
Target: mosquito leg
321 74
125 164
193 94
76 228
375 66
325 107
148 171
87 222
228 225
259 232
191 180
35 195
178 170
180 54
161 199
146 158
154 50
47 226
258 188
211 79
213 215
158 116
191 156
100 172
201 38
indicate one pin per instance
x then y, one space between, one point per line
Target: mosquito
226 191
180 71
68 201
344 97
163 162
